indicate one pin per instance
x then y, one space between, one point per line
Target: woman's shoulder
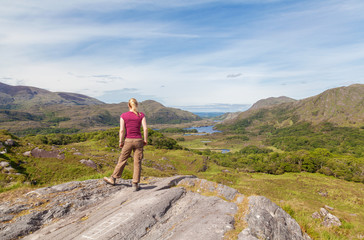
125 114
131 114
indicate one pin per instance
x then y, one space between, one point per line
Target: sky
198 55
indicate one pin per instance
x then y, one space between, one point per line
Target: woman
130 123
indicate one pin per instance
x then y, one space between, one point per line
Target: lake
204 130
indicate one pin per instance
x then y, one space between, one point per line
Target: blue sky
197 55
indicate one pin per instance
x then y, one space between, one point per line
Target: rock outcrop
180 207
328 219
41 153
89 163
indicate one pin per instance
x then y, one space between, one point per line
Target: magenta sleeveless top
132 124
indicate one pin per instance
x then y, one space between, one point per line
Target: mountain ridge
342 106
271 101
20 97
35 109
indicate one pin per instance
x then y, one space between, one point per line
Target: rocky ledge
180 207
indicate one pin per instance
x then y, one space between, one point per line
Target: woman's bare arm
121 133
145 130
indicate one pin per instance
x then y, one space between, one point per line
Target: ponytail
133 106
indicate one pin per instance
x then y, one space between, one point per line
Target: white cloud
297 49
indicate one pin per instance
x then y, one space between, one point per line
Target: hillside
29 110
343 106
22 97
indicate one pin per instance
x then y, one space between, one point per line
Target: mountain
263 103
343 106
272 101
25 110
21 97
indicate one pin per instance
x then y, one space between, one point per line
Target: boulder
329 220
328 208
27 154
266 220
40 153
323 212
316 215
9 142
4 164
9 170
323 193
89 163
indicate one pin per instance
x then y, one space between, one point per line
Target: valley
271 150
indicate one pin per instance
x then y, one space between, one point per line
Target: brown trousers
130 145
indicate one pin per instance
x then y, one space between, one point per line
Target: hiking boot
136 187
110 180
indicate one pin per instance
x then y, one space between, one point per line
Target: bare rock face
179 207
36 208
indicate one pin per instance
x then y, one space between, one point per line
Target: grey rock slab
126 215
42 206
163 209
195 217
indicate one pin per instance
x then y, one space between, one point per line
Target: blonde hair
133 106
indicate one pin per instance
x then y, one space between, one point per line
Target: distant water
209 114
204 129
